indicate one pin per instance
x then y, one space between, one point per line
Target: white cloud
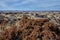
25 2
48 4
2 4
28 3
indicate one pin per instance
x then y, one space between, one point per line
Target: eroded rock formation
31 29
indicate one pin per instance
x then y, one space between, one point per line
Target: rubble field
28 27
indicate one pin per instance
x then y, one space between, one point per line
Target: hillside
30 26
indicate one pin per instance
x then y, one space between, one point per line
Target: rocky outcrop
31 29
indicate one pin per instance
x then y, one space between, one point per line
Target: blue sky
30 5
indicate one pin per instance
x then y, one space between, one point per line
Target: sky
36 5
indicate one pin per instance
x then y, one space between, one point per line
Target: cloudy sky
30 5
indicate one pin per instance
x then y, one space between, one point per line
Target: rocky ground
52 16
30 26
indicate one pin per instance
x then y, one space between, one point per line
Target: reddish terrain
31 29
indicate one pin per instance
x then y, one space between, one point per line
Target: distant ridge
29 11
15 11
